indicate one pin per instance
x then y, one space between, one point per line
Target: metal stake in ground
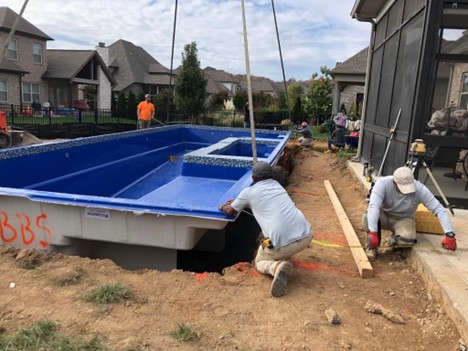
390 139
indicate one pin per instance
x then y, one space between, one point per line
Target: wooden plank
360 258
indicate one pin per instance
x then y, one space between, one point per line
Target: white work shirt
385 197
275 212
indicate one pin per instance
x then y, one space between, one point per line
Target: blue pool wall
86 166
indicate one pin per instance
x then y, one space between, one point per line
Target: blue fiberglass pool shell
178 170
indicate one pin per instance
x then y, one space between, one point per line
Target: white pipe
249 86
12 31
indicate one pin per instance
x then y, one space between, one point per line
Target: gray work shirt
274 211
385 197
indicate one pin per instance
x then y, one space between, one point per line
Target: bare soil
234 310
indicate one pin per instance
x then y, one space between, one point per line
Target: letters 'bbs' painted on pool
158 187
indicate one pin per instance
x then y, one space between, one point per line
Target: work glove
373 240
449 242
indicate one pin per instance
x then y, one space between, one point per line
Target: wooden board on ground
360 258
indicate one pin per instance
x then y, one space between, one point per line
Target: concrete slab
445 273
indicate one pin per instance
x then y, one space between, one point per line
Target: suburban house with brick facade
30 73
349 78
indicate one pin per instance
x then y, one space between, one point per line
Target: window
30 92
464 92
3 91
12 53
37 53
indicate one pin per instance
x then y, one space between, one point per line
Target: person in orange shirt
145 112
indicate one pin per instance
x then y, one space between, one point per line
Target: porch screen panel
378 149
380 31
386 82
397 155
394 17
407 71
367 141
374 86
412 7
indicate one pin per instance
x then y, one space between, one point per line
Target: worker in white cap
392 206
285 229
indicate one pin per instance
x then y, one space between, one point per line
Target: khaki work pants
267 259
403 230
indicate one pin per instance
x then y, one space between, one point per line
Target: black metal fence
25 115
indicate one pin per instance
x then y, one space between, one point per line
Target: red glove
373 240
449 243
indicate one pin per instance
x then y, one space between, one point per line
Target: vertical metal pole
249 86
281 58
172 61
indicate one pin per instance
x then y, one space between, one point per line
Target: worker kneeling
392 206
284 227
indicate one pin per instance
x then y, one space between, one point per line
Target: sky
313 33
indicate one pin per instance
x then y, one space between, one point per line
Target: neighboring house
349 79
71 71
30 73
219 80
136 70
261 85
24 61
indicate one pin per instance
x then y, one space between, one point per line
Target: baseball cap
404 179
147 95
262 169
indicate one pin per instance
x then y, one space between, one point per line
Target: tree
161 102
217 100
114 105
132 106
121 106
141 97
191 83
89 94
282 100
295 90
319 99
296 113
240 99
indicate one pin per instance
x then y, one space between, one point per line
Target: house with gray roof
349 79
134 69
30 73
219 81
261 85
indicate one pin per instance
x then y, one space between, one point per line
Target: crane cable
12 31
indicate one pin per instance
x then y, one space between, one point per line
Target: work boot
371 254
280 280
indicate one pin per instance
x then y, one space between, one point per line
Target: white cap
404 179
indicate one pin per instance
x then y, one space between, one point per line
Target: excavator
12 138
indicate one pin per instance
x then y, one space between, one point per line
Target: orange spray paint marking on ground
322 267
313 266
201 276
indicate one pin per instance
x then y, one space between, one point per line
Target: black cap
262 169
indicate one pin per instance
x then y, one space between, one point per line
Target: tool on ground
416 155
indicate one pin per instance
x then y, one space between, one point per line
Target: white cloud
313 33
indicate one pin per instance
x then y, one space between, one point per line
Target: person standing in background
145 112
